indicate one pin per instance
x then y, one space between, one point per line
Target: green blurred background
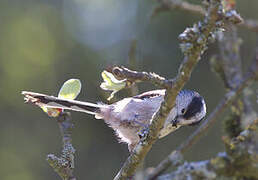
45 42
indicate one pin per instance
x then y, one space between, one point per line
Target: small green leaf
111 83
70 89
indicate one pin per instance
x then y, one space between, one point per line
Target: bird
132 115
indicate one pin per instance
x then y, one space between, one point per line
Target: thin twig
194 43
136 76
220 108
250 24
178 4
132 63
64 165
197 9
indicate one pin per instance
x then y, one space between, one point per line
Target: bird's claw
143 133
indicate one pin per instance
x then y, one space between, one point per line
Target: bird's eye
183 111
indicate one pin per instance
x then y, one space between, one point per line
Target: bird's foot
144 132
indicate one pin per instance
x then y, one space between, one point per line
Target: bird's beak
196 122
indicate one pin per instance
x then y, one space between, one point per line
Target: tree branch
132 63
249 24
136 76
239 160
229 97
64 165
194 43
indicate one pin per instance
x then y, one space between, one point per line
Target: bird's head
190 107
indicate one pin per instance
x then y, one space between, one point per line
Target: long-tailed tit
130 115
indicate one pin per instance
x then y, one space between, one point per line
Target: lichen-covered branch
193 43
230 60
226 101
240 160
64 165
229 97
229 66
249 24
221 107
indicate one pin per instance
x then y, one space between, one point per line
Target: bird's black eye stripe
194 107
183 111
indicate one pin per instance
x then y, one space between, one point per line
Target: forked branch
193 43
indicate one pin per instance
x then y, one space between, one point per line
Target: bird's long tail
43 100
